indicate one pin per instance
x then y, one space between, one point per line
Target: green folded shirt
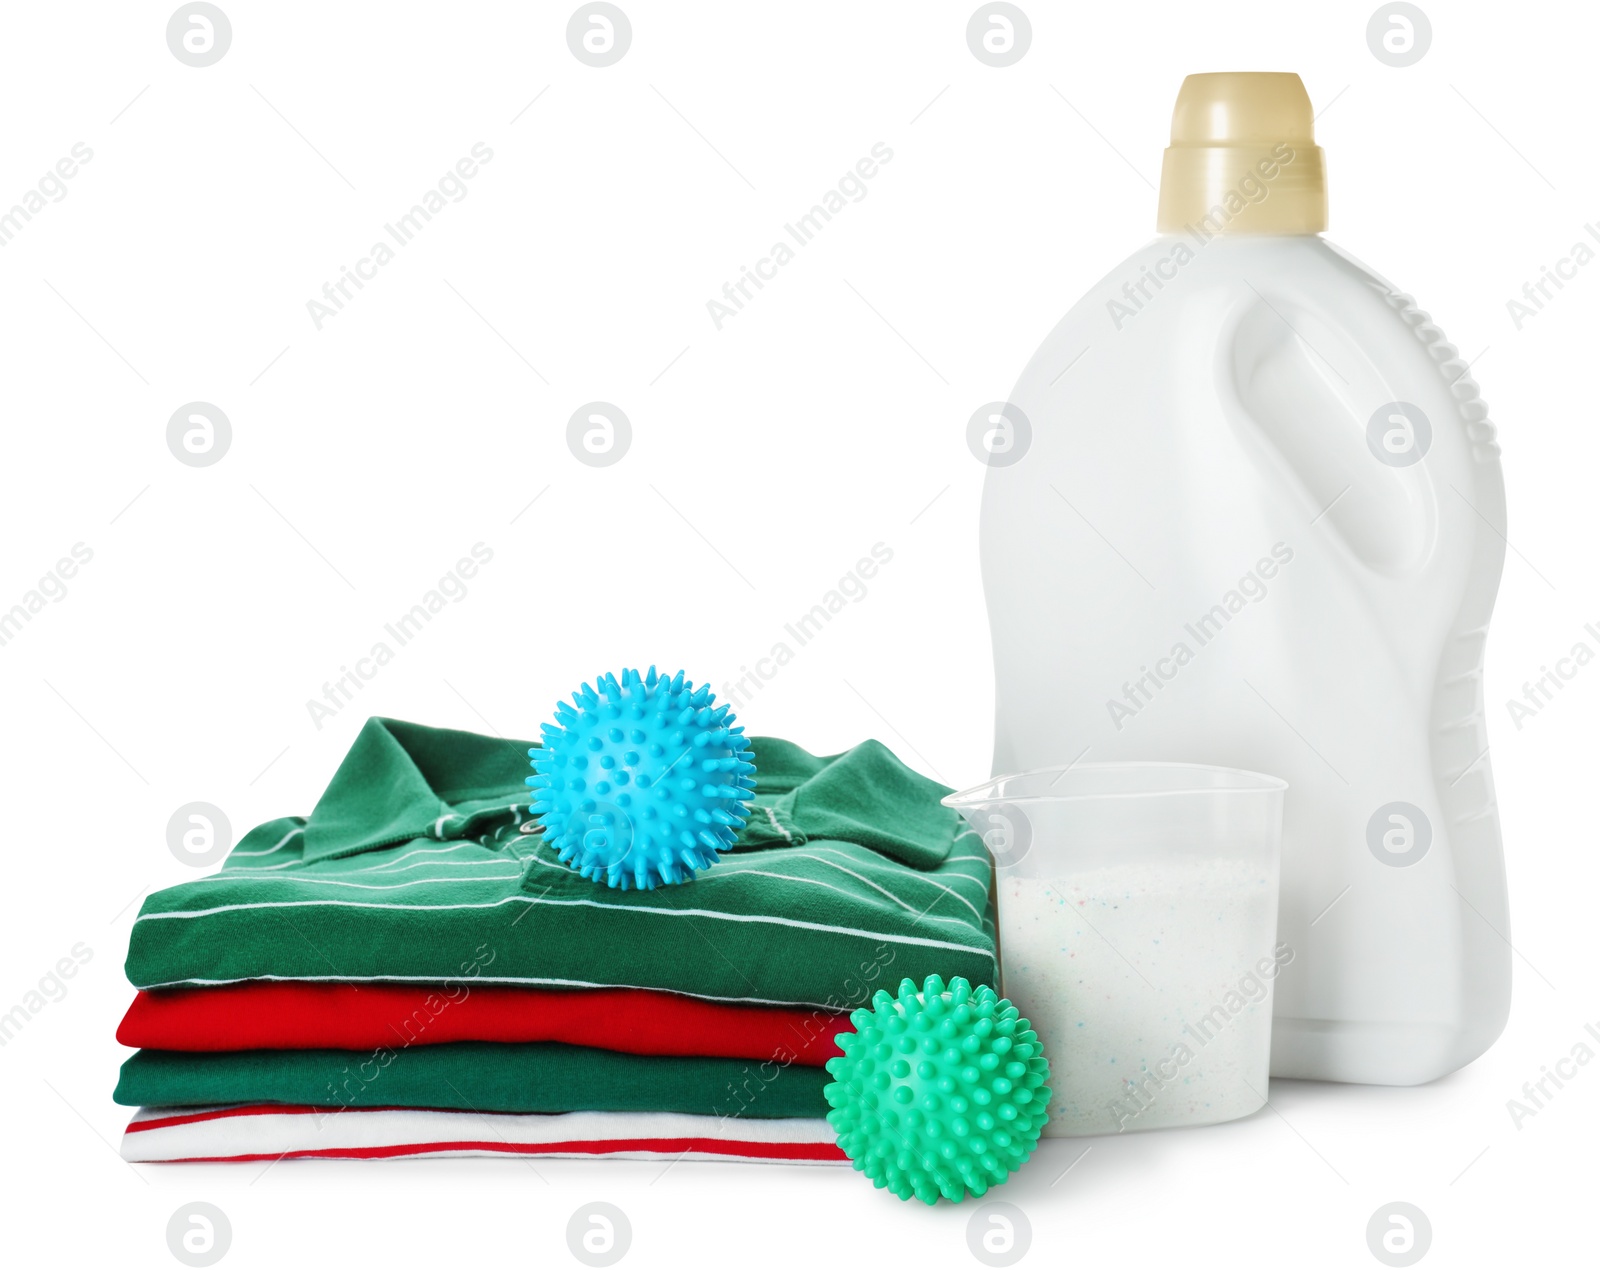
418 863
475 1076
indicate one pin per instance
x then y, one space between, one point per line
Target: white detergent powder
1151 988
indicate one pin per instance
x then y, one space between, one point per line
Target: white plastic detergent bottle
1245 508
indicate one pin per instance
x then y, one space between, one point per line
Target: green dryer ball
940 1092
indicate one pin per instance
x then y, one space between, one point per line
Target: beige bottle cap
1242 159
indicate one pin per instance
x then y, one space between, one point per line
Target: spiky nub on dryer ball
642 780
940 1092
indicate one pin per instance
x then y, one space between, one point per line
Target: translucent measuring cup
1138 908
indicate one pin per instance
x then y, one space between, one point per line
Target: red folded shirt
298 1015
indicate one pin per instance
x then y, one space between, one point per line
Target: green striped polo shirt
419 863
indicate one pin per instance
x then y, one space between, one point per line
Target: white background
767 457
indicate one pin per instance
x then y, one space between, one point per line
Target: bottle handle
1343 426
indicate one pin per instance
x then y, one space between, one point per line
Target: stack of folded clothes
411 971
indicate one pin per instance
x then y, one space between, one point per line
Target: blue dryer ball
642 780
